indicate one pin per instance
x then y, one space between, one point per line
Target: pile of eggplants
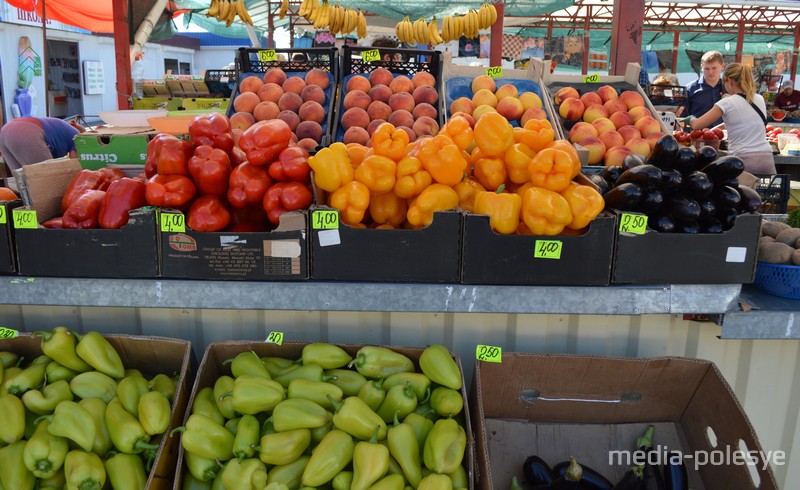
680 189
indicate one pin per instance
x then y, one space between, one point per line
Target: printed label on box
736 254
329 237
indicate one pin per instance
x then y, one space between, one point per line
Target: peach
356 135
355 117
424 109
628 132
647 125
402 101
571 109
611 139
294 84
507 90
462 104
638 112
294 138
594 111
242 120
481 110
653 138
373 125
425 126
484 97
620 119
237 134
401 118
309 129
532 113
565 93
423 78
616 155
603 125
250 84
631 98
410 132
468 117
615 105
596 147
381 76
638 146
530 99
380 92
401 83
270 92
290 101
311 111
483 82
510 107
425 94
313 92
246 102
607 92
275 75
358 82
266 110
356 98
379 110
581 130
318 77
291 118
590 98
308 144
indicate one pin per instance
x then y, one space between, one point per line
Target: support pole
740 42
270 27
496 46
122 54
585 61
626 34
795 53
676 42
45 60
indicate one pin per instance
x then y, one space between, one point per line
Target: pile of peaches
504 99
380 96
609 124
299 101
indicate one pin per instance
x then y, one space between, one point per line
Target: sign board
94 79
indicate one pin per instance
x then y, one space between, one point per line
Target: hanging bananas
227 10
487 16
434 37
334 17
284 8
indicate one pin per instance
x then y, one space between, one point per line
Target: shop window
176 67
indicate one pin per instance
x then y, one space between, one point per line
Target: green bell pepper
154 412
422 427
282 448
311 372
370 463
420 383
404 449
129 390
232 425
59 345
204 437
435 482
45 401
12 419
238 474
191 483
390 482
438 364
459 477
446 401
444 447
399 402
357 419
332 455
29 378
56 372
246 438
348 380
126 432
94 384
205 403
373 393
254 394
327 356
203 469
74 422
102 439
342 481
316 391
278 366
224 384
318 433
84 471
126 472
248 363
299 413
44 453
14 475
55 482
289 474
98 352
164 385
379 362
9 359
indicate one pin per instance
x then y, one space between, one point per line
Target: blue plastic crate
778 280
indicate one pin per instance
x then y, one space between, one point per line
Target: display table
786 164
762 316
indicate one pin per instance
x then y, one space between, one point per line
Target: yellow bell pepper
567 147
332 167
493 134
411 178
352 201
459 130
357 152
551 169
545 212
537 134
390 142
585 204
442 158
490 172
516 159
467 189
378 173
524 187
503 209
437 197
387 208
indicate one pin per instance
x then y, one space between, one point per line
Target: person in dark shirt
27 140
703 93
788 100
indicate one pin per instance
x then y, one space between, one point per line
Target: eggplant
643 175
686 160
635 477
726 197
730 183
697 184
632 160
624 197
537 471
652 200
688 227
724 168
707 207
590 479
611 173
662 223
675 475
727 216
705 155
671 180
631 481
710 225
664 152
682 208
750 202
600 182
571 479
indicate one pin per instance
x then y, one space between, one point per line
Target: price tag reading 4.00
370 55
25 218
173 223
3 218
489 353
633 223
325 220
267 55
275 338
547 249
494 71
592 78
7 333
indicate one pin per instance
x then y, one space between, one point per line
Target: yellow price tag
488 353
7 333
275 338
592 78
547 249
325 220
25 218
267 55
370 55
3 218
173 223
494 71
633 223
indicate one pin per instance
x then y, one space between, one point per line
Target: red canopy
95 15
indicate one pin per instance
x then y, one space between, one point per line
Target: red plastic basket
778 280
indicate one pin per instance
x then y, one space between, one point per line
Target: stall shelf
762 316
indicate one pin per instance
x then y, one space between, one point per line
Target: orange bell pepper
545 212
389 141
490 172
551 169
437 197
332 167
352 201
493 134
411 178
467 189
585 204
387 209
503 209
567 147
517 158
442 158
459 130
378 173
524 187
537 134
357 153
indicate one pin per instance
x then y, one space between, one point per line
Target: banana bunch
452 28
307 7
420 31
361 30
487 16
471 24
323 15
285 8
343 20
334 17
434 37
404 31
227 10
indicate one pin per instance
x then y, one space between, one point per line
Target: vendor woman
27 140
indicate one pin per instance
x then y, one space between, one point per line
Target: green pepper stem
227 361
336 405
225 395
42 417
177 429
78 336
44 334
143 444
89 484
646 441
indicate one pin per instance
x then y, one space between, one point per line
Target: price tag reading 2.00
325 220
25 218
7 333
633 223
173 223
488 353
275 338
547 249
267 55
494 71
370 55
592 78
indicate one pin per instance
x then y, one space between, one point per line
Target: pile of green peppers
75 418
329 421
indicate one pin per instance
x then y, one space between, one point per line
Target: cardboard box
431 254
219 104
155 88
679 258
557 406
278 255
113 146
150 355
212 367
8 259
160 102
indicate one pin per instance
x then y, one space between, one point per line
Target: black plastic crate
220 83
401 61
774 191
666 94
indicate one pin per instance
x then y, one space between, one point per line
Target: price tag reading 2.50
325 220
494 71
547 249
633 223
173 223
267 55
592 78
275 338
25 218
370 55
488 353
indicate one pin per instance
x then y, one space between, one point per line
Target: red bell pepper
57 222
291 165
153 150
210 168
208 213
237 157
174 157
283 197
169 191
84 211
112 173
122 196
213 130
265 140
247 185
85 180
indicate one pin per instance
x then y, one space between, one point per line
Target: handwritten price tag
267 55
488 353
7 333
592 78
633 223
325 220
3 217
173 223
275 338
25 218
370 55
547 249
494 71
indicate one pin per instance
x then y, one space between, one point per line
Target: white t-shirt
746 131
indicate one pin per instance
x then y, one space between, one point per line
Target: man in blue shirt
703 93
